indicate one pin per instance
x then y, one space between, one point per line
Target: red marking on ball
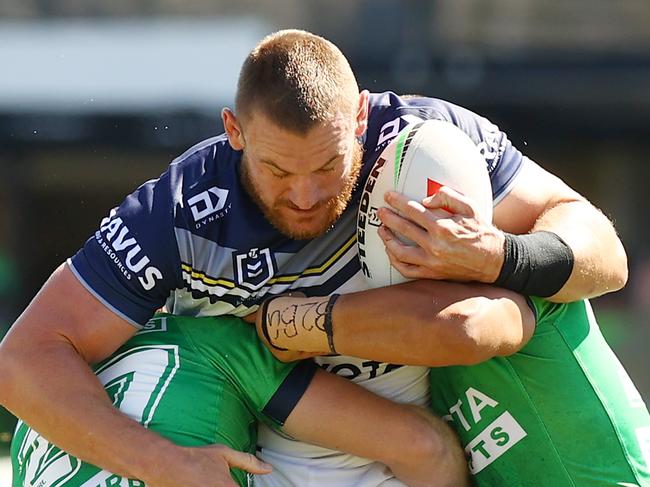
432 188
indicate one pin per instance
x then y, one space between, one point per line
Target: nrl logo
253 268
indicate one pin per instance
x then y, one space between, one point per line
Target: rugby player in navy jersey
270 208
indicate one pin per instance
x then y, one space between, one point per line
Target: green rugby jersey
196 381
560 412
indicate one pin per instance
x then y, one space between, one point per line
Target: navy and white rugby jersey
194 240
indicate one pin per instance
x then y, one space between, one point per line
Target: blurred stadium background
96 97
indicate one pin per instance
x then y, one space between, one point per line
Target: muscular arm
463 247
426 322
420 449
46 381
541 201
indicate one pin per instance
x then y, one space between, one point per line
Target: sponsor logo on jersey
370 369
493 144
493 440
115 238
42 463
107 479
389 130
367 213
253 268
209 205
496 439
156 324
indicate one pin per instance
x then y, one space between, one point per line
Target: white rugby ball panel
420 159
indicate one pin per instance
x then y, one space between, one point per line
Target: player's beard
331 210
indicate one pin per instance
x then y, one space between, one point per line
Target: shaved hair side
296 80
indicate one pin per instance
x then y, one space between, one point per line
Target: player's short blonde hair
296 79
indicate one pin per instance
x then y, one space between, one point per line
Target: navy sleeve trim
290 391
503 191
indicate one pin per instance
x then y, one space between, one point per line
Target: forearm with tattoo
303 324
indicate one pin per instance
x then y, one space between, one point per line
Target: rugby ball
423 157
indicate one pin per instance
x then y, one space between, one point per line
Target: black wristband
265 325
536 264
328 321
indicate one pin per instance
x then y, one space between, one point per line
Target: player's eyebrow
273 164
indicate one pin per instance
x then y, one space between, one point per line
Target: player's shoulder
389 113
206 166
388 102
205 162
207 150
194 189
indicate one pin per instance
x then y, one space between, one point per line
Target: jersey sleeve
131 263
269 388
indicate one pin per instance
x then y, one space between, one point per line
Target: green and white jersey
196 381
560 412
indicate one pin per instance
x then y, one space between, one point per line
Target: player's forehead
267 140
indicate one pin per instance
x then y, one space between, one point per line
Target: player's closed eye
279 175
328 168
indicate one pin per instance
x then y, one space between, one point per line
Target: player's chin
307 232
307 227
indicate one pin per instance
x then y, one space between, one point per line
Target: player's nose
305 193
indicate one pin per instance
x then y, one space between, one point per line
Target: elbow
479 346
456 336
494 328
607 274
432 456
609 266
9 365
425 443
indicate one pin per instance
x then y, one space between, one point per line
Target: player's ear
233 129
362 113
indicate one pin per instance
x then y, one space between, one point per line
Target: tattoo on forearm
296 319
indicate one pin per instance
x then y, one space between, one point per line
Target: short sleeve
131 263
